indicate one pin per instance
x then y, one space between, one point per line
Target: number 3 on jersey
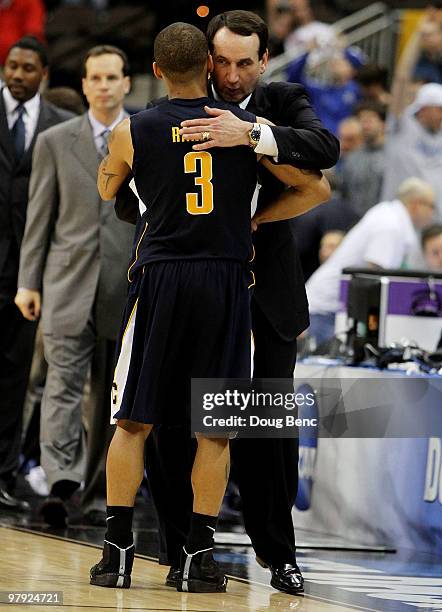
193 203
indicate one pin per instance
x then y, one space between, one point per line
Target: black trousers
16 349
266 469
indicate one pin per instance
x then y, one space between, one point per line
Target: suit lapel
6 142
42 123
259 104
83 147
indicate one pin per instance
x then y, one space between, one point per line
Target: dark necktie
18 132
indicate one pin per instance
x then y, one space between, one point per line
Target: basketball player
188 311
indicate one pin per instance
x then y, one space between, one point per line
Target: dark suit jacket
303 142
14 182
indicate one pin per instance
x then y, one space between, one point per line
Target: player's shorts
183 320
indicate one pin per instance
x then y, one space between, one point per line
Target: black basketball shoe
201 573
115 567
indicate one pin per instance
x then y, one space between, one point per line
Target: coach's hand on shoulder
224 128
29 303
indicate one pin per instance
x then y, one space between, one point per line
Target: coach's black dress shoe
9 502
173 576
286 577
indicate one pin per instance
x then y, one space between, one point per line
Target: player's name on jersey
176 136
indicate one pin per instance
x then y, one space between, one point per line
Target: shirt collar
32 106
98 128
242 104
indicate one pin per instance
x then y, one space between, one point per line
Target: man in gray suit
73 268
23 115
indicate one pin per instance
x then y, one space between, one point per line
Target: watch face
255 134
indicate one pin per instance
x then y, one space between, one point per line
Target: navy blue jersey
198 202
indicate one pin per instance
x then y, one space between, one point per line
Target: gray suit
76 251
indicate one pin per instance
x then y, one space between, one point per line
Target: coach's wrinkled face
104 84
237 65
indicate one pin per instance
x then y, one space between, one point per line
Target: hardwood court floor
34 562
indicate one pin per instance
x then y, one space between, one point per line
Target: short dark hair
244 23
66 98
104 50
430 232
373 106
30 43
181 51
372 74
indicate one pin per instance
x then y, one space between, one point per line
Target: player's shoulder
144 115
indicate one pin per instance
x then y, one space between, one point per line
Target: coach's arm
306 189
299 138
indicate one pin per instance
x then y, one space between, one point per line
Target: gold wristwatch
254 135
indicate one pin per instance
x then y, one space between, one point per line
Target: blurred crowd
385 210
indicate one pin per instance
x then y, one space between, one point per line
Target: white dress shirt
99 128
30 116
385 236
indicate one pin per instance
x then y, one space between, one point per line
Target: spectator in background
432 247
335 97
20 18
67 98
414 144
350 136
350 139
363 169
305 28
76 252
386 237
329 243
372 80
428 68
23 114
280 26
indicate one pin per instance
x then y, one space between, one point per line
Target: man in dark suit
23 115
266 469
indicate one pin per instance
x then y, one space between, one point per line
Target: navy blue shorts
183 320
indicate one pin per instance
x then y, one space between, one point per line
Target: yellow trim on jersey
253 280
253 254
130 319
131 316
136 253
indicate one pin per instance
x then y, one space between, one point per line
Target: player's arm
116 166
307 189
